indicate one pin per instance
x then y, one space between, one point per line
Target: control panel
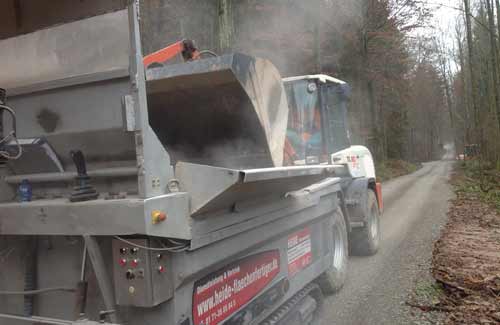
142 276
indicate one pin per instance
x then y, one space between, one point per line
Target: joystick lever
83 190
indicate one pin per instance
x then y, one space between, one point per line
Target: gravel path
378 286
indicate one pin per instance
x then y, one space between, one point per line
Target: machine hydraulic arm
186 48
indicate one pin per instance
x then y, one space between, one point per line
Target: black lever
83 191
3 96
79 161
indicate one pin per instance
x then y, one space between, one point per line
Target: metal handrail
50 321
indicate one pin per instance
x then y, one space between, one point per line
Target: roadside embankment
394 168
466 258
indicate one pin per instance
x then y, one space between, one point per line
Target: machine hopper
227 111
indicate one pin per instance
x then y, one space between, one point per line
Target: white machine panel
358 159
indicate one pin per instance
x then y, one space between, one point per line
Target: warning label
220 294
299 251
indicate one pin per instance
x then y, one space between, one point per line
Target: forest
417 89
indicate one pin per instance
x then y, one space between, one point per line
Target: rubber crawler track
282 311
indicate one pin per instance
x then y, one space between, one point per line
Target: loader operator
303 137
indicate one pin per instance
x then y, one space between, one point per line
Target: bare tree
468 25
494 58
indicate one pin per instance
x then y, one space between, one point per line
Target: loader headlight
312 87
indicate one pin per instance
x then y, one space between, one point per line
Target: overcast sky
443 22
445 16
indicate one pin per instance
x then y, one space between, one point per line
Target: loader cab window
304 139
335 98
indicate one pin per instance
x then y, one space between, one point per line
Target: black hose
3 96
209 53
3 106
13 117
30 275
3 101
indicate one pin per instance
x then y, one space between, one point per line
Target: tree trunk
494 58
463 68
225 20
497 2
449 101
374 120
317 46
468 25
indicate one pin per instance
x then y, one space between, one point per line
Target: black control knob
130 275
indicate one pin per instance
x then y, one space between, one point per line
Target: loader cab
317 121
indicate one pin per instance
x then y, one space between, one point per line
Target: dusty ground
378 287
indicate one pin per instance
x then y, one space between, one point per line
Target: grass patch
480 180
394 168
430 292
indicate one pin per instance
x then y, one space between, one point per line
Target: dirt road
376 289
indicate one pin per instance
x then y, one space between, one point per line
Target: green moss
429 291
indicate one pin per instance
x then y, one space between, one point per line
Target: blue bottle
25 191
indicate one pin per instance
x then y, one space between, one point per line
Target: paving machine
205 192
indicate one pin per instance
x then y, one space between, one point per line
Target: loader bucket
228 111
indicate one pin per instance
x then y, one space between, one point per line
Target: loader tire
332 280
365 241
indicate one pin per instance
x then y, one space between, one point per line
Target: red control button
161 269
134 262
122 261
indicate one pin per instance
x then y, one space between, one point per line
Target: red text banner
220 294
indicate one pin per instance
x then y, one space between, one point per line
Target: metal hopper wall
229 111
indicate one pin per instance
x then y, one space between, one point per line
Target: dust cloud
449 151
298 37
